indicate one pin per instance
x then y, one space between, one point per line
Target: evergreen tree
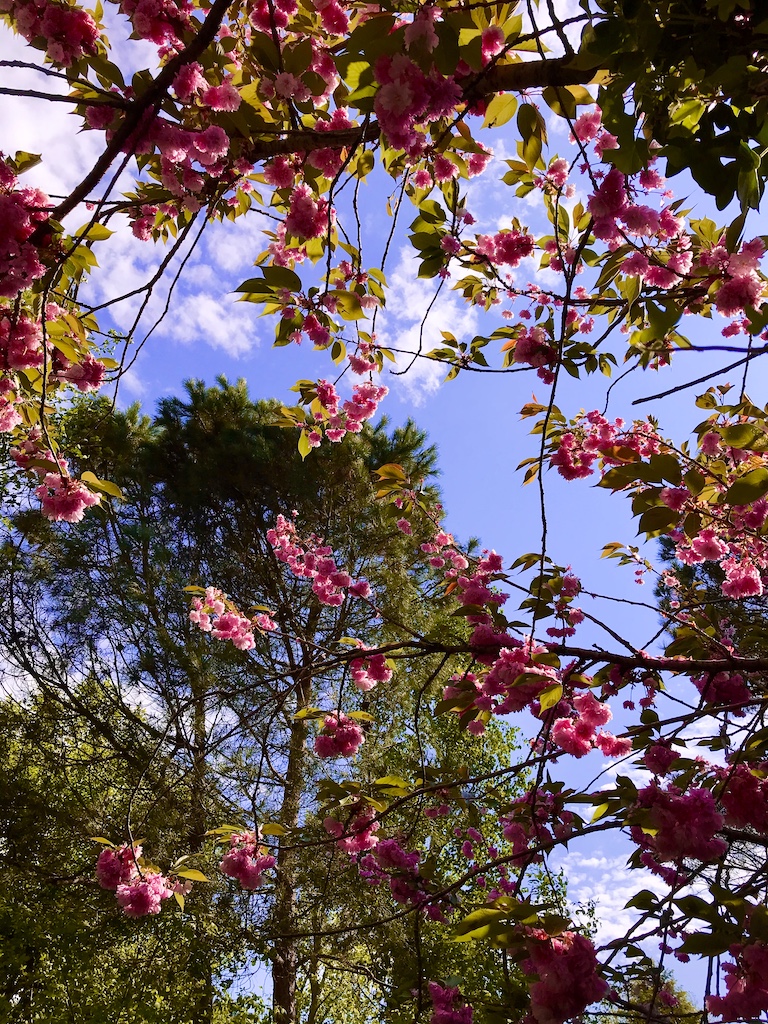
196 733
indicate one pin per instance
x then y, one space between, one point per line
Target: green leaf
193 875
23 161
101 485
255 286
560 101
644 900
695 481
741 435
500 110
710 943
361 716
364 164
348 304
273 830
599 811
308 713
304 446
477 924
94 233
749 488
392 780
666 467
282 277
550 696
659 519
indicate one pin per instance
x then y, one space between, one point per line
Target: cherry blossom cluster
746 981
389 862
499 692
357 833
477 850
215 614
730 535
408 97
554 180
441 547
190 84
21 348
22 211
506 248
116 866
567 972
340 736
475 590
329 161
593 437
533 822
62 497
741 284
742 553
310 559
727 689
516 679
10 417
677 826
338 418
448 1006
578 735
679 822
616 217
662 255
246 860
369 671
139 892
160 21
563 607
308 216
588 127
533 348
743 795
186 157
285 86
68 32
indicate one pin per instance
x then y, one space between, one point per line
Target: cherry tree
283 110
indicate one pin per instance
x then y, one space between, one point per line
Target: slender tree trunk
315 987
198 825
285 956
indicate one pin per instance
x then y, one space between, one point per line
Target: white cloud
606 881
202 317
132 386
50 128
233 246
409 325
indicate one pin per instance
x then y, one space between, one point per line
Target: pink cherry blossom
117 866
340 736
143 896
246 861
566 967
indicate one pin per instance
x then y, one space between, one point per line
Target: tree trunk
203 1003
285 955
